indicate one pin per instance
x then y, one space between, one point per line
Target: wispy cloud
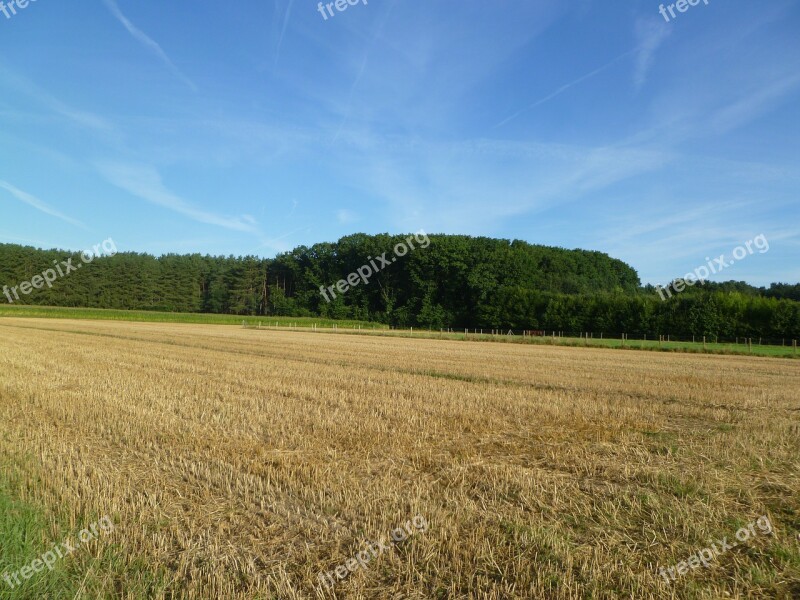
14 238
28 88
277 244
567 86
649 37
448 183
286 16
38 204
145 182
650 34
147 42
345 216
378 32
747 107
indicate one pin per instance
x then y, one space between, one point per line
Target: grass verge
369 328
28 531
54 312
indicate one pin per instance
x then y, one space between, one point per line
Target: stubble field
241 464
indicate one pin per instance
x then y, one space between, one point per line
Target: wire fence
619 336
622 339
778 346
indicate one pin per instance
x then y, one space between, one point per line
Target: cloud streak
147 42
33 201
286 18
567 86
145 183
650 35
56 106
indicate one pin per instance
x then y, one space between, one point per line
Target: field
147 316
242 463
784 350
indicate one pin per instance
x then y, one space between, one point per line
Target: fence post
794 346
704 342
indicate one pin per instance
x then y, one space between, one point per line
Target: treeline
131 281
456 281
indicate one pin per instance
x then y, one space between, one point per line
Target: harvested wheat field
245 464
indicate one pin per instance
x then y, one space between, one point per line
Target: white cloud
145 182
38 204
79 117
286 16
472 186
650 34
345 216
748 107
567 86
147 42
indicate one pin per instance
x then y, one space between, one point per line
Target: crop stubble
242 463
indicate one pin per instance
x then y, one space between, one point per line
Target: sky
253 127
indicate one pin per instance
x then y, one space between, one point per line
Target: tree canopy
455 281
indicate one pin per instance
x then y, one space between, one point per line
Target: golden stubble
245 462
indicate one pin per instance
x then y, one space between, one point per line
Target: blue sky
253 127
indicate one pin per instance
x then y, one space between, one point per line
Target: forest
456 281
